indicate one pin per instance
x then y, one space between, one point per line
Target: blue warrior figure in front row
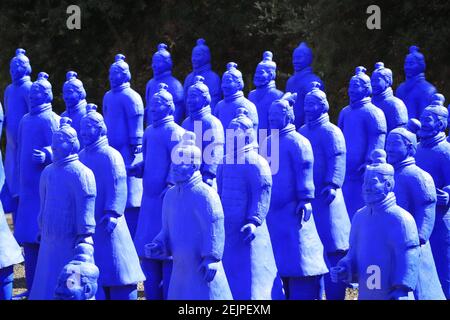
416 193
34 154
364 129
266 91
433 156
383 97
201 66
114 252
330 212
123 110
302 79
66 219
415 91
16 106
74 97
192 230
296 244
208 129
384 243
159 139
162 73
244 184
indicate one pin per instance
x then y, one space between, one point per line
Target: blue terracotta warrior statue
192 230
78 278
364 129
383 97
162 73
124 117
114 252
330 212
433 156
296 244
16 106
244 183
201 66
66 219
415 91
301 81
159 139
416 193
74 97
266 91
34 153
384 242
208 129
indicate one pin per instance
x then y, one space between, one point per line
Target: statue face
230 85
183 171
60 146
71 95
262 76
199 58
313 108
375 187
379 84
411 67
17 70
430 125
116 76
277 117
158 108
242 136
159 64
69 285
195 100
89 131
301 60
396 148
38 95
357 90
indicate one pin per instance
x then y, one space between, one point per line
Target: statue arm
116 186
335 151
425 204
135 119
42 196
214 151
301 155
163 237
85 193
377 128
260 180
178 100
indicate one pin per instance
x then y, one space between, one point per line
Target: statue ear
87 290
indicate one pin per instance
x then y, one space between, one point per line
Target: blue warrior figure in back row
433 156
301 81
201 66
383 97
16 106
415 91
416 193
124 117
266 91
162 73
330 212
364 129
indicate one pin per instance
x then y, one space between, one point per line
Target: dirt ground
20 285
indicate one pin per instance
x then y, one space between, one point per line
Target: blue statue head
161 103
414 62
92 126
232 81
198 95
41 91
302 57
201 55
242 127
266 70
19 66
189 158
119 72
360 86
78 279
73 90
281 111
437 99
316 103
378 178
381 78
434 118
401 143
161 60
65 141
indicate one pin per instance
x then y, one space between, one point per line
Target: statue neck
162 75
199 114
360 103
21 81
195 179
201 69
40 108
404 163
432 141
324 118
121 87
382 205
66 160
100 142
76 108
287 129
384 95
308 69
234 96
270 85
160 122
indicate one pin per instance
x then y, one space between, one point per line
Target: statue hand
110 222
208 268
248 231
38 156
132 171
154 250
338 273
136 148
208 179
442 197
304 209
330 194
362 168
84 239
399 293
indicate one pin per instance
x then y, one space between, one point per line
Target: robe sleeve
134 110
424 198
219 179
163 237
15 187
213 151
215 91
335 152
260 185
141 165
85 193
376 132
115 185
178 100
174 140
42 195
301 155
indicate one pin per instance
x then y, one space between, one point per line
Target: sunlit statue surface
383 97
159 139
266 91
201 66
66 217
415 91
364 129
123 110
384 244
301 81
416 193
330 212
114 250
244 184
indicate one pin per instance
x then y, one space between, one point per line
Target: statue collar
384 95
80 106
433 141
64 161
289 128
270 85
234 96
122 87
417 77
324 118
21 81
384 204
101 142
199 114
241 152
162 121
404 163
195 179
304 71
162 75
40 108
361 103
203 68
